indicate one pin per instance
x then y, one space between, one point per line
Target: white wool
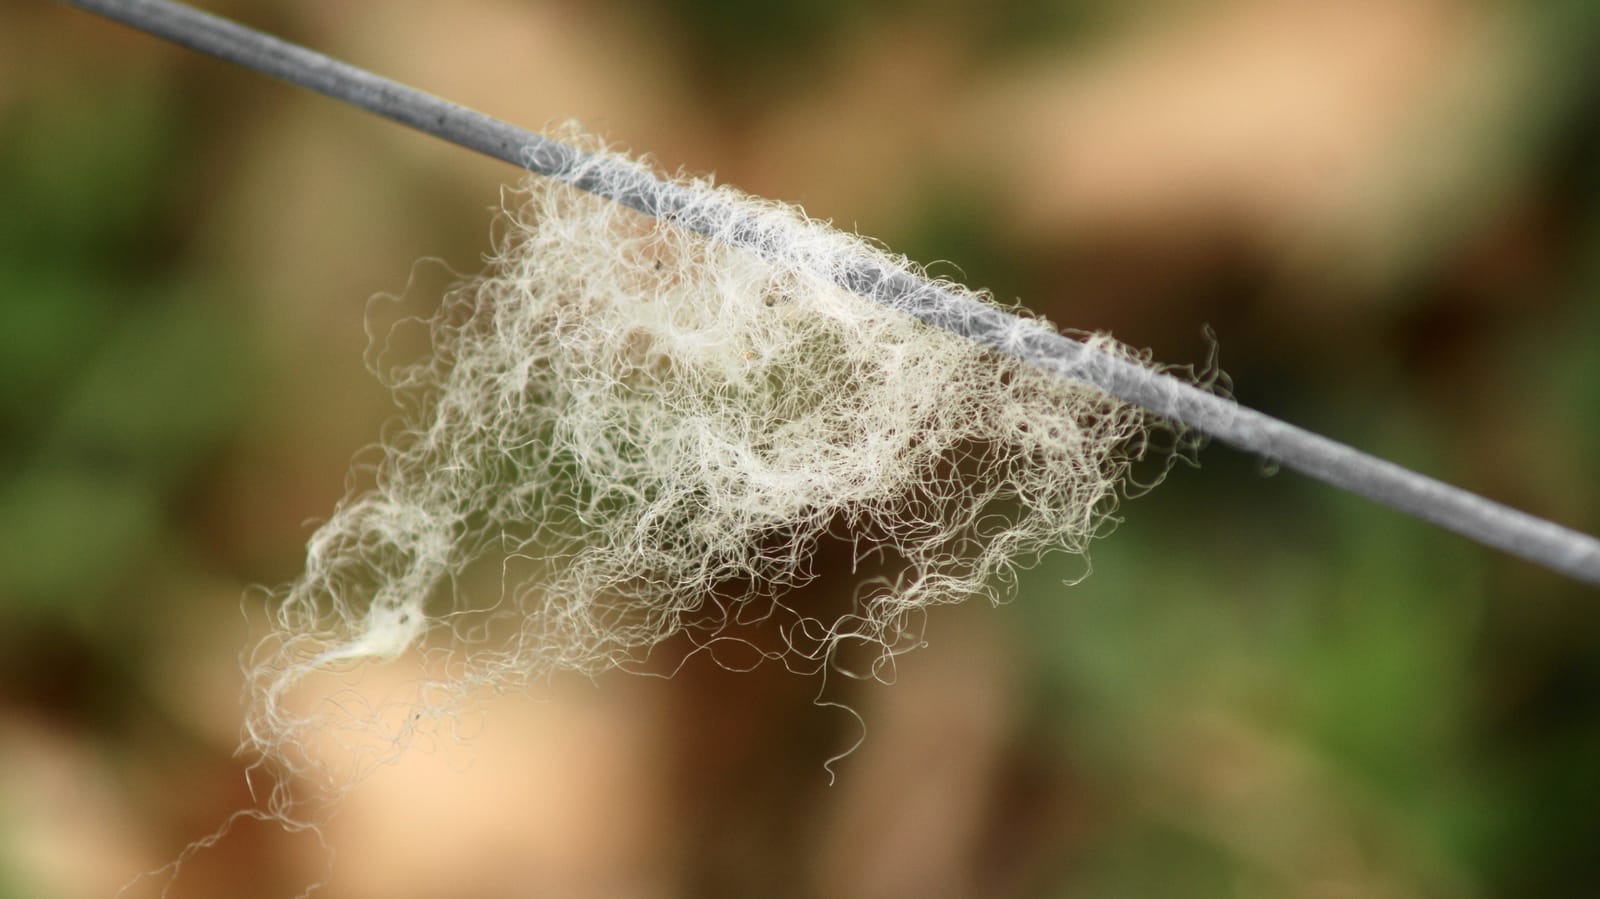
636 420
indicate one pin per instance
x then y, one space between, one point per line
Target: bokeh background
1387 212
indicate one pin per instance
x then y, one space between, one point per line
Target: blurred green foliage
747 51
119 372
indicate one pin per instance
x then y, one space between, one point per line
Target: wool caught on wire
631 418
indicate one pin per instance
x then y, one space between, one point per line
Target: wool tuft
646 431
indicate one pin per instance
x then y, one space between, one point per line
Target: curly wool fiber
637 420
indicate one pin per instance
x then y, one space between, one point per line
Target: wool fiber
646 431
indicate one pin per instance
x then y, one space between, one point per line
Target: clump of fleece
652 429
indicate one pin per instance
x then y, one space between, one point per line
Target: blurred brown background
1388 212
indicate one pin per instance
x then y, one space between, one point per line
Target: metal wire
1536 540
